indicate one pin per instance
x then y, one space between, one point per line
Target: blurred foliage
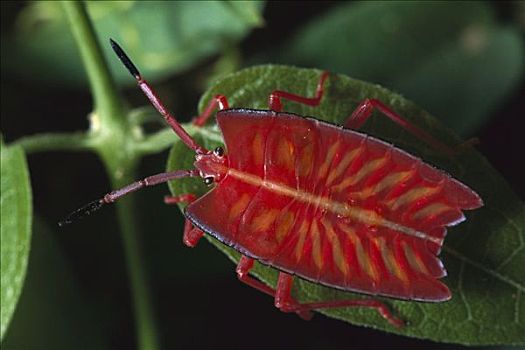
478 277
53 309
453 58
16 217
459 60
163 37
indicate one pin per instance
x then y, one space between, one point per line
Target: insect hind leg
364 111
285 302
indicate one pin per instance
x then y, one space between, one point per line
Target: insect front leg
274 100
285 302
192 234
243 268
218 101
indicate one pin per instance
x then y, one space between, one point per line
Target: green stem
144 318
107 101
165 138
114 135
78 141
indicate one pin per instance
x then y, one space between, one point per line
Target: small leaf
484 256
163 38
453 58
16 211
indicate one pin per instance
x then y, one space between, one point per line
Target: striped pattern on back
332 205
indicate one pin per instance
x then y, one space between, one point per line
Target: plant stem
165 138
113 133
78 141
107 101
144 319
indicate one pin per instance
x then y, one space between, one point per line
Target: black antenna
125 59
82 212
121 192
155 100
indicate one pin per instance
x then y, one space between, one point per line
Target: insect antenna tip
126 61
82 212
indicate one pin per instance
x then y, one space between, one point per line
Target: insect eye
208 180
219 151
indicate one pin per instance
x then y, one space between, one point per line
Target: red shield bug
323 202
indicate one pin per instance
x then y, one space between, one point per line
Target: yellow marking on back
363 256
386 183
337 250
393 179
285 154
432 209
343 210
306 161
316 245
303 230
239 207
323 169
412 196
390 262
414 260
264 220
258 149
368 168
284 224
343 165
341 186
365 170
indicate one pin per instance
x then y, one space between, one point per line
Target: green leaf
163 38
54 308
16 212
453 58
484 256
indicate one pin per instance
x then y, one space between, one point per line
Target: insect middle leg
243 268
192 234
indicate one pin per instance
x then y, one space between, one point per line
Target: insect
325 203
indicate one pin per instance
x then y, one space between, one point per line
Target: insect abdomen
332 205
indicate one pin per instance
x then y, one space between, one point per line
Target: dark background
77 296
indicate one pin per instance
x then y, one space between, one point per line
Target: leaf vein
461 292
477 265
517 308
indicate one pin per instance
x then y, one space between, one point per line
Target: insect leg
219 101
187 197
192 235
284 301
243 268
365 109
274 100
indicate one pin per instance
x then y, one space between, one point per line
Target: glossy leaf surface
162 37
453 58
16 211
484 255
